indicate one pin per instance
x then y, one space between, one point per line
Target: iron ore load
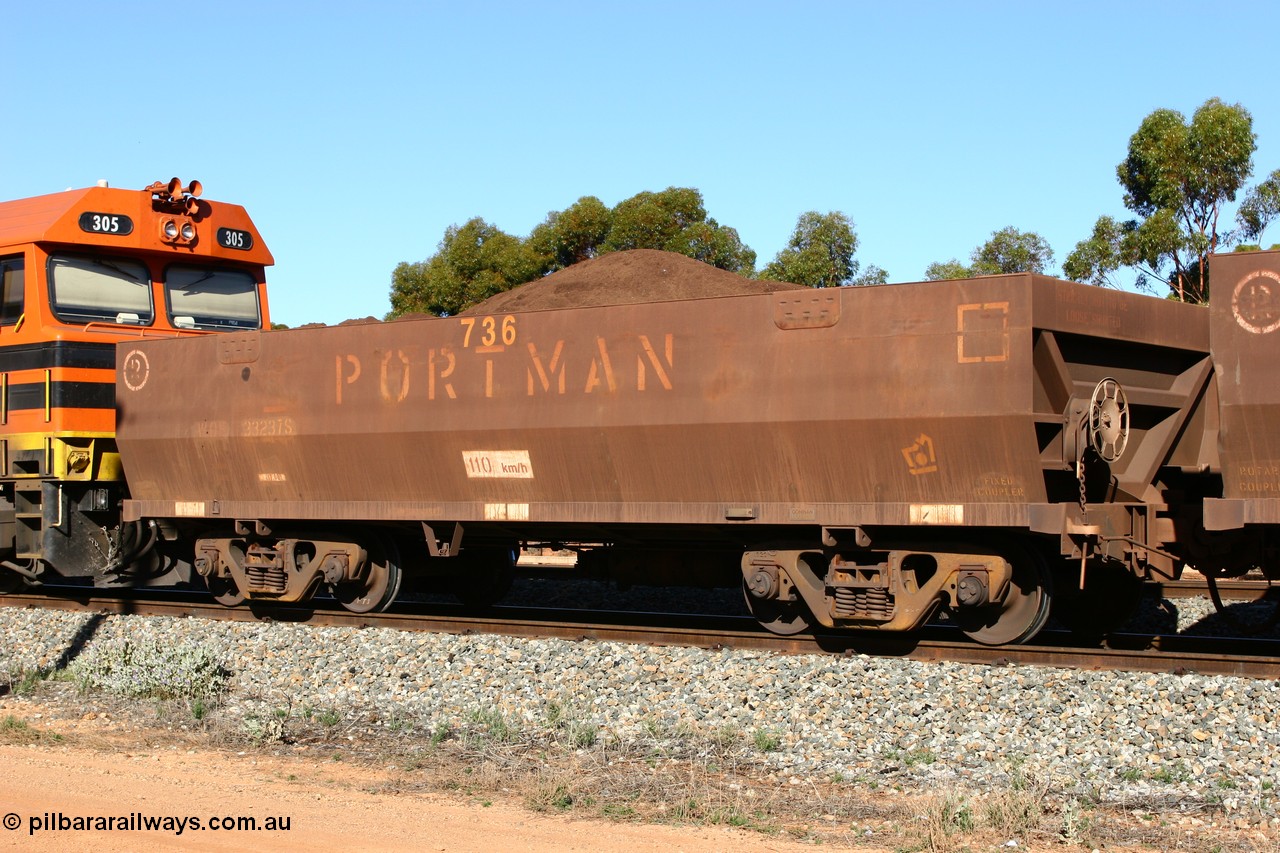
853 457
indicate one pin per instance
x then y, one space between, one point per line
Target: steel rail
1233 589
1136 652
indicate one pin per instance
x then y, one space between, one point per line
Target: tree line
477 259
1178 178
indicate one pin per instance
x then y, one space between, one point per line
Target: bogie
362 572
997 596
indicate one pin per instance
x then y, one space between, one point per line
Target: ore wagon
853 457
1240 518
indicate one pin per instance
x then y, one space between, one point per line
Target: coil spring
865 603
266 578
265 570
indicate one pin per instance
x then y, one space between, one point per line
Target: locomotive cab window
100 290
211 298
12 274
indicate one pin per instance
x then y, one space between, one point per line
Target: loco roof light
188 231
169 229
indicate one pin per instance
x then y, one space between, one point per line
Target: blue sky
356 133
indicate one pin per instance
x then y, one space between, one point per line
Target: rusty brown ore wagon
1241 517
856 457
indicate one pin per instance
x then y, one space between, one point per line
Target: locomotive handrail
141 332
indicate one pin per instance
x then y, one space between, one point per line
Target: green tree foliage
675 220
572 235
820 254
1008 251
714 244
653 220
473 262
1260 207
1177 178
477 260
1095 259
942 270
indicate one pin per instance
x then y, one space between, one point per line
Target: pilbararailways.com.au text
139 822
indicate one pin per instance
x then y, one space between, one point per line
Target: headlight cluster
173 231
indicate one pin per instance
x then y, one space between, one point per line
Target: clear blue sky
355 133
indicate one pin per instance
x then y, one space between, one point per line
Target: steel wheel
778 617
382 584
1024 610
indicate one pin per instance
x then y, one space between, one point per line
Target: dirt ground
328 808
94 773
75 762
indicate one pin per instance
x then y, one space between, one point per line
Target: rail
1249 658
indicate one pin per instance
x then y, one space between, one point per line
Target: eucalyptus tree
1178 177
1007 251
821 252
473 261
476 260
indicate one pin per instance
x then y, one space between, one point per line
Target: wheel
1024 610
225 591
380 586
778 617
484 576
1109 599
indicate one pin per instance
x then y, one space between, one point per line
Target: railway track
1137 652
1233 590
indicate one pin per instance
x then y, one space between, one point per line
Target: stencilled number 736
491 331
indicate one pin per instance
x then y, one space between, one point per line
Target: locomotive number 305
105 223
234 238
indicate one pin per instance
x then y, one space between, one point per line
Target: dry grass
15 730
674 774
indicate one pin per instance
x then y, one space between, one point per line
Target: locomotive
996 448
84 270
